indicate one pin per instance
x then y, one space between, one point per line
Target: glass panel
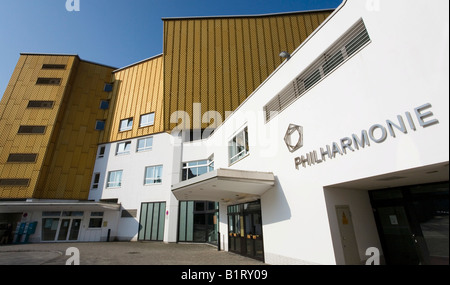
202 170
199 227
155 221
148 224
399 247
190 222
49 228
182 223
142 221
64 229
95 222
432 214
75 229
162 213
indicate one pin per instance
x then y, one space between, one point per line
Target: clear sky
111 32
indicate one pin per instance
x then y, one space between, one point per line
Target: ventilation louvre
345 47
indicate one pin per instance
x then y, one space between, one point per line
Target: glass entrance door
245 230
413 223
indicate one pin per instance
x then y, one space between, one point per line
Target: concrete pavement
120 253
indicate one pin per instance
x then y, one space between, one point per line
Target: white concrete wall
133 192
404 67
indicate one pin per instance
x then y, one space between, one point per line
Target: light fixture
285 54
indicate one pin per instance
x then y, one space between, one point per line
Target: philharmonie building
312 137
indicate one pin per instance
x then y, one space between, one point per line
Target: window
147 120
153 175
104 104
114 179
22 157
15 182
126 124
238 146
53 66
145 144
96 180
108 87
100 125
196 168
101 151
96 220
123 148
31 130
40 104
48 81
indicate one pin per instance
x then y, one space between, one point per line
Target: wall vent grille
349 44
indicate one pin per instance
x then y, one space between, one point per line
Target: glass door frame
241 240
404 199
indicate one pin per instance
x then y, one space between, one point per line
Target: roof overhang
225 185
56 205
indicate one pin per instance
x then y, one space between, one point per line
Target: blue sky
111 32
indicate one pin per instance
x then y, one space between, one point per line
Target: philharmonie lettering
356 142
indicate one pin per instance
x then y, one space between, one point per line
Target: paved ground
120 253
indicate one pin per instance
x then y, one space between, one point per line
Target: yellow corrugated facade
138 90
66 151
218 62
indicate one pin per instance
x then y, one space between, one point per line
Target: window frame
186 166
153 177
238 155
128 127
96 180
117 184
125 151
147 124
146 148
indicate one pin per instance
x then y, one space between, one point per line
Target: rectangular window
96 180
100 125
238 146
96 220
114 179
31 130
147 120
145 144
101 152
53 66
48 81
123 148
153 175
126 124
15 182
196 168
108 87
104 104
22 157
40 104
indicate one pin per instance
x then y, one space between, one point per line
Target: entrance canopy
56 205
225 185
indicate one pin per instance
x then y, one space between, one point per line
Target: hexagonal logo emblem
294 137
